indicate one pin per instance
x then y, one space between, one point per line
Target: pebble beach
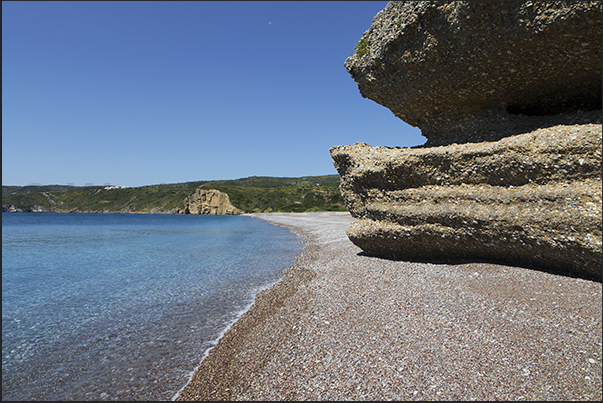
342 325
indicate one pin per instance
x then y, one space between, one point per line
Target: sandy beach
342 325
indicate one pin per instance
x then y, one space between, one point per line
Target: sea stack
508 95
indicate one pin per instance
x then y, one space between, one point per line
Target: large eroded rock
212 202
530 200
482 70
508 95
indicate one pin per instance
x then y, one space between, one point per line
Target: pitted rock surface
474 71
211 202
530 200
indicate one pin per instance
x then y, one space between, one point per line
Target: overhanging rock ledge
508 95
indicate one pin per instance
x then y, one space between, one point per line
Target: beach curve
343 325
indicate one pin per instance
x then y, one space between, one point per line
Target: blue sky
143 93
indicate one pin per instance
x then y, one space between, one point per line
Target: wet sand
345 326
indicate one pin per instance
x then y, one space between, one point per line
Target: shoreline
343 325
215 341
203 384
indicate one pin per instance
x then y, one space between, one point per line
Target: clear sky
142 93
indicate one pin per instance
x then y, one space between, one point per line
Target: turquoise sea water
124 306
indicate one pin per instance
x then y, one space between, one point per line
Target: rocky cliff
517 87
212 202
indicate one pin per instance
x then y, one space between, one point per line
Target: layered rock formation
212 202
517 84
531 199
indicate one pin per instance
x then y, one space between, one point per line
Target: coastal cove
456 254
124 306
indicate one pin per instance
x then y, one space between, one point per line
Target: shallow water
124 306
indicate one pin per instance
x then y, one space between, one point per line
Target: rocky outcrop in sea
212 202
10 208
508 95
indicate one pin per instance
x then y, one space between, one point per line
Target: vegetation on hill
253 194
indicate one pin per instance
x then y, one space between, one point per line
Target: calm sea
125 306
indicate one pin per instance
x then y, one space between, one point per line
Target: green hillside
253 194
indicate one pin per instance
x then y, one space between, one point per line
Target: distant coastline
251 195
